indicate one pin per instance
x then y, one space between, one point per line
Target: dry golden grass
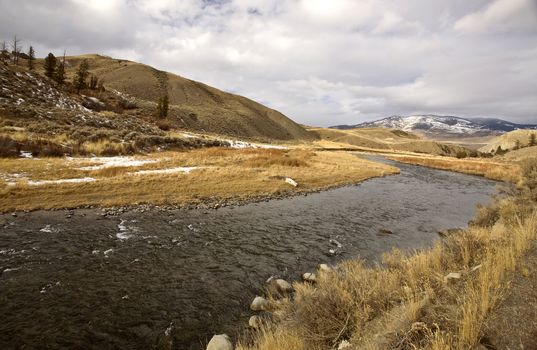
406 302
492 169
222 174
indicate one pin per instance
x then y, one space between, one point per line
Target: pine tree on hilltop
31 58
532 142
81 75
50 65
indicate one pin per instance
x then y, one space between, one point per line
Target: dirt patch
514 324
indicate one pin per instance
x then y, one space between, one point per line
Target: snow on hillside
445 125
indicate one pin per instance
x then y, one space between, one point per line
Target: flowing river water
83 280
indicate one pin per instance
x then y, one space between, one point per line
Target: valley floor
208 176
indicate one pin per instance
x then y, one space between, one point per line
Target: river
78 279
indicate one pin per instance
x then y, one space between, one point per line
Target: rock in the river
259 304
220 342
283 286
255 322
291 182
309 277
452 276
386 231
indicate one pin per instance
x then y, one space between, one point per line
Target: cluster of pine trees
54 67
55 70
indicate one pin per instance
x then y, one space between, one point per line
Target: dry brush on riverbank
210 175
440 298
489 168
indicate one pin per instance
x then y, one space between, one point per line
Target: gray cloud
321 62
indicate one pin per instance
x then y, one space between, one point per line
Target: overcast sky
320 62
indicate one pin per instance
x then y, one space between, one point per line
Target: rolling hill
193 105
386 140
509 141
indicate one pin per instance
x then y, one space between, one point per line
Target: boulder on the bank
309 277
283 286
291 182
259 304
255 322
220 342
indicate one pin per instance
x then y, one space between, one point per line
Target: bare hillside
386 139
509 141
193 105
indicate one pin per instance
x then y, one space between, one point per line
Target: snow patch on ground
52 182
244 144
110 162
182 169
27 155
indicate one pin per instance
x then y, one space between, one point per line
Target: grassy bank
191 177
440 298
489 168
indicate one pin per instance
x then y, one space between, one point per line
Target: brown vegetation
492 169
440 298
221 174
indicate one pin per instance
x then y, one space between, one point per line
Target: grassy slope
194 105
407 302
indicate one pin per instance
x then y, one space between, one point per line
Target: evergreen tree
165 105
60 73
162 107
31 58
81 75
532 142
50 65
517 144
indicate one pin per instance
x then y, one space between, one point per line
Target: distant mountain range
445 126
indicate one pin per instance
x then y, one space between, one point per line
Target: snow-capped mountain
443 125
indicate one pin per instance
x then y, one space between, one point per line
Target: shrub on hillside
8 147
163 125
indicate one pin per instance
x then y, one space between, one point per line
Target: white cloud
321 62
501 16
